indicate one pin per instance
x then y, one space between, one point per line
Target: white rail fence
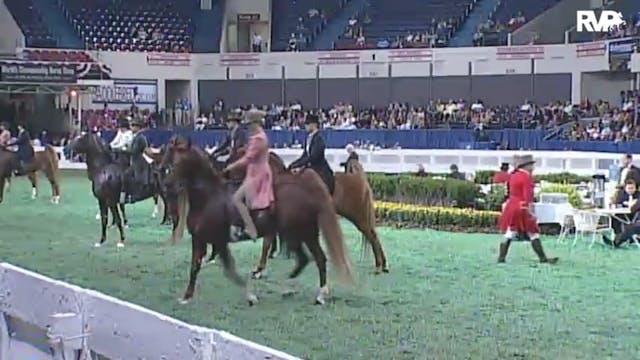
42 318
407 160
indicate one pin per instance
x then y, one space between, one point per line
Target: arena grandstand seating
31 23
296 23
135 25
508 12
405 23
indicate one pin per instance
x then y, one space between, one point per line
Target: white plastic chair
588 222
565 216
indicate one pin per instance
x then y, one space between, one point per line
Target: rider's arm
223 149
117 141
251 154
302 161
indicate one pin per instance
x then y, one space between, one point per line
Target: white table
618 213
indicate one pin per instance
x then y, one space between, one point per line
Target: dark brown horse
302 210
45 161
156 156
107 179
353 199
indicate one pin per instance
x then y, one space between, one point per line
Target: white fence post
4 337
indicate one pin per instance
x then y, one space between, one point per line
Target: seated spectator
502 176
629 198
455 173
421 171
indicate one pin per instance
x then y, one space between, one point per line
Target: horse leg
231 273
165 208
370 235
33 177
123 213
301 262
274 247
115 212
7 184
267 243
321 261
212 258
55 188
198 251
156 210
4 185
104 219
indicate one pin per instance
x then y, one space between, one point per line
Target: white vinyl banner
127 93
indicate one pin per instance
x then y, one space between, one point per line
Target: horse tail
330 228
183 210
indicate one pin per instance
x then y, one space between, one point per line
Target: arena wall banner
620 52
127 92
23 72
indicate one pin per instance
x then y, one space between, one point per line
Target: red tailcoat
516 214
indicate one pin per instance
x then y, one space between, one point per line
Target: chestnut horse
353 199
45 161
301 211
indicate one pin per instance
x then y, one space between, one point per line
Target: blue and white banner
620 52
127 92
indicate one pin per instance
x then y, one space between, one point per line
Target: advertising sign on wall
620 52
31 72
127 92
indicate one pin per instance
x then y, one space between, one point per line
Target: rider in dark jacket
313 156
236 138
140 170
25 151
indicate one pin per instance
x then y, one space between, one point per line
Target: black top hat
504 166
312 119
123 123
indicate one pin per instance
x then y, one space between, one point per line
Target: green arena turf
445 297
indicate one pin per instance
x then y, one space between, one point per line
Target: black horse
108 178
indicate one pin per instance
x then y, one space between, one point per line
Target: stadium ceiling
50 89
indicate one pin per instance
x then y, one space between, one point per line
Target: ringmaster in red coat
517 218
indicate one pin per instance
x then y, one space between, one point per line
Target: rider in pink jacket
257 187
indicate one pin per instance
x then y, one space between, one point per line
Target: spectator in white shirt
257 43
123 136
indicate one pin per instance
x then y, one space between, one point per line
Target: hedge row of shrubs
439 218
423 190
431 191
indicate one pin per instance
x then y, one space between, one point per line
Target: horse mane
201 166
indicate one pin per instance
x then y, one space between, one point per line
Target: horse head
90 144
187 163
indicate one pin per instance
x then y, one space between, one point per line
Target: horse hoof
385 270
257 274
97 245
98 216
323 292
183 301
211 262
252 299
126 226
120 245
